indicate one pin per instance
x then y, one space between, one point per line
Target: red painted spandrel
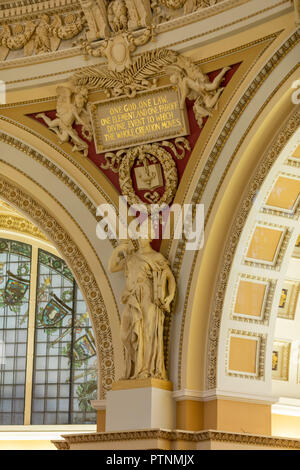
195 131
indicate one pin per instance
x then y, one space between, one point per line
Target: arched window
47 349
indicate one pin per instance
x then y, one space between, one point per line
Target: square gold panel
285 193
281 360
243 355
265 244
250 298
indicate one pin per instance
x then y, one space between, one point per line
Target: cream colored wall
286 426
26 445
37 437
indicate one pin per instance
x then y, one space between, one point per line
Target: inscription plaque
150 116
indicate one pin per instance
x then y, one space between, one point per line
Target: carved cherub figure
96 17
117 15
42 37
195 85
70 110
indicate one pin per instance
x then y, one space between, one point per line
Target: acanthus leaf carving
167 10
15 38
99 20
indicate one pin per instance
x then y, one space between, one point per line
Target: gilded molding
28 9
226 25
283 244
265 314
200 436
20 225
61 445
40 35
164 27
229 126
287 213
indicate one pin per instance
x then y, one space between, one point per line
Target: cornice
209 395
29 9
187 436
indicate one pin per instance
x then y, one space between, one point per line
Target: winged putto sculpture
70 110
195 85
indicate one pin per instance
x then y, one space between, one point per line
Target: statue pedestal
140 404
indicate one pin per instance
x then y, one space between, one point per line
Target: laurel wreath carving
169 169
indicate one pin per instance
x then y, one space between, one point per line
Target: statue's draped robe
143 316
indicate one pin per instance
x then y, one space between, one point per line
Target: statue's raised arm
117 260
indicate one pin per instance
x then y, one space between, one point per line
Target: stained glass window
62 372
15 260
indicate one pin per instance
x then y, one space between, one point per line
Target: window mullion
31 335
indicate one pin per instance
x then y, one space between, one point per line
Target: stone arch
198 343
251 213
42 209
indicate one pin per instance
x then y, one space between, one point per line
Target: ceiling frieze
36 28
